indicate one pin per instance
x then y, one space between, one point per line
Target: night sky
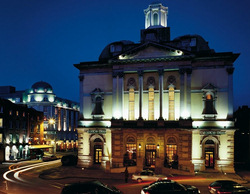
40 40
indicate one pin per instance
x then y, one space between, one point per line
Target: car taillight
224 192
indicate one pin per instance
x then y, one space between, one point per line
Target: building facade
242 137
20 127
160 103
60 115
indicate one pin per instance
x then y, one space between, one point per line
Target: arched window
130 155
171 102
97 100
171 159
151 103
155 19
131 97
151 97
209 98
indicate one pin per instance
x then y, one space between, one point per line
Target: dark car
90 187
226 186
49 158
69 160
169 186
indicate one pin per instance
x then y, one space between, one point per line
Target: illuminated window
171 113
23 114
171 158
17 113
151 103
10 112
209 103
1 123
131 104
131 97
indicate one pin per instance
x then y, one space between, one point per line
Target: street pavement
64 172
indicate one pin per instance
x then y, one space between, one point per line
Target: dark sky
42 39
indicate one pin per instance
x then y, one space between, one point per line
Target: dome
192 43
42 86
114 49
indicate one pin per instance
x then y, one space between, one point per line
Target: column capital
114 74
182 71
161 71
81 77
189 70
120 74
230 70
140 72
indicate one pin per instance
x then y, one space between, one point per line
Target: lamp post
139 150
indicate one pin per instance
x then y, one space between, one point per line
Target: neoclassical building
161 103
60 115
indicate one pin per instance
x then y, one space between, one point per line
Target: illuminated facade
20 126
60 115
162 104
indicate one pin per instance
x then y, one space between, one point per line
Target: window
171 113
131 104
1 109
10 112
23 114
10 137
171 158
151 104
130 155
97 97
209 98
1 122
38 128
155 19
131 88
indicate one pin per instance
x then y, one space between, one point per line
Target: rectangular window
23 114
171 115
1 109
1 138
10 112
151 104
17 113
1 122
11 124
131 104
38 128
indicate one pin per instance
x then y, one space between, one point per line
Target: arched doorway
209 153
98 151
150 153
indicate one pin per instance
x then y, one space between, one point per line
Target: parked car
148 175
49 158
227 186
169 186
91 187
69 160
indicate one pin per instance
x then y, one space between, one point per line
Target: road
23 178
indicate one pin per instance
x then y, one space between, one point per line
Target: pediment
209 86
151 51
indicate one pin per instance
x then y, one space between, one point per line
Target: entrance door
209 158
150 155
98 154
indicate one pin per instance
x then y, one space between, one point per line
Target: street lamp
139 150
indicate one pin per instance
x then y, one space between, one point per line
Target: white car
148 175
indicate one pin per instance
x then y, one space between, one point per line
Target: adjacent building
242 137
161 103
20 127
60 115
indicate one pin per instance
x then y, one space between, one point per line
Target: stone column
182 91
114 95
81 78
120 93
188 91
161 72
230 92
140 73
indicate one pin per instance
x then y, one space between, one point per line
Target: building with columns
161 104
